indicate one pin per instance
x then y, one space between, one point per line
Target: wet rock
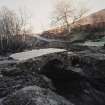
12 84
34 95
92 64
11 71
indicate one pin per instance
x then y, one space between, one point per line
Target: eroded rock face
34 95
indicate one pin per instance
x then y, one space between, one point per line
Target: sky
41 10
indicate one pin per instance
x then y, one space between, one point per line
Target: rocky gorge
65 78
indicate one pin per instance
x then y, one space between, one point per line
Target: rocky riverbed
81 83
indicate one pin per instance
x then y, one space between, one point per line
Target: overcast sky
41 10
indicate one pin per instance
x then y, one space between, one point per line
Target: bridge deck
22 56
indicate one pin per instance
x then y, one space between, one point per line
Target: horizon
41 11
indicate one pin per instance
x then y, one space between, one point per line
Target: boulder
34 95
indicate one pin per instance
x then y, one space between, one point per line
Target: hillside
97 17
91 25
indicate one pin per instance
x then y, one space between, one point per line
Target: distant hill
97 17
93 22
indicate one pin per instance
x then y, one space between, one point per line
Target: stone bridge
37 59
86 63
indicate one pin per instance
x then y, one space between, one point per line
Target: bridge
37 59
85 62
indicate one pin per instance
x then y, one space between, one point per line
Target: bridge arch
52 67
54 61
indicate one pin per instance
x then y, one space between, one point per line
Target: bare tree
11 24
6 24
65 13
25 23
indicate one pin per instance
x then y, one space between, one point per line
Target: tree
11 24
65 13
